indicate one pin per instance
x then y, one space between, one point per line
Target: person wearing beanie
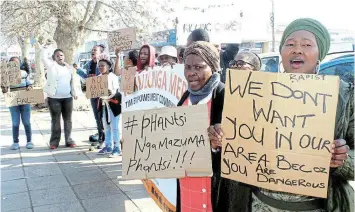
198 35
168 55
110 108
304 44
201 61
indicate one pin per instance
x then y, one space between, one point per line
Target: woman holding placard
305 43
22 112
110 108
204 87
131 60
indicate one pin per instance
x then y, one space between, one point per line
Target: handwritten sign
166 143
14 73
278 130
123 39
96 86
24 97
127 80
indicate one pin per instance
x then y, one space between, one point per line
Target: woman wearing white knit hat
168 55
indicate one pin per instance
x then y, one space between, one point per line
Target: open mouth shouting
296 63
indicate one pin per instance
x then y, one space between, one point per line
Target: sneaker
15 146
105 150
115 153
29 145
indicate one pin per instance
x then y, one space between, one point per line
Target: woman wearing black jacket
204 87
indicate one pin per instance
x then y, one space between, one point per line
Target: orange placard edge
158 197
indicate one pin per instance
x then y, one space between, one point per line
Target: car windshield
270 64
344 70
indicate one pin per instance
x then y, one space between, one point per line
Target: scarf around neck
196 96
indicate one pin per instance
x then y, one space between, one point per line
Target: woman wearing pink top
198 194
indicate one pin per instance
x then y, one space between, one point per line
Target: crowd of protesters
205 70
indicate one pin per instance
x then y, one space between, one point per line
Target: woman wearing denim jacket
22 112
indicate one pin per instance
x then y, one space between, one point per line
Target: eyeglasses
238 64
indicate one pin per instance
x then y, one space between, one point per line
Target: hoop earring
317 67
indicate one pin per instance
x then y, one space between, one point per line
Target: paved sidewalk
64 180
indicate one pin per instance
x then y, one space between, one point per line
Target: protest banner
123 39
96 86
156 88
236 26
14 73
169 85
166 143
23 97
127 80
278 130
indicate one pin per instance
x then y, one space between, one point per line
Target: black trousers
98 119
58 108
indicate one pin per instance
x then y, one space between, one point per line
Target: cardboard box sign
127 80
97 86
10 74
166 143
124 39
23 97
278 130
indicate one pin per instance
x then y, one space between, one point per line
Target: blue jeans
23 112
112 131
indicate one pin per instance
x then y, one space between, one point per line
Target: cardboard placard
127 80
4 74
166 143
14 73
23 97
97 86
123 39
278 130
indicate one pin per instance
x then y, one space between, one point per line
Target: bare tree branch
86 13
94 14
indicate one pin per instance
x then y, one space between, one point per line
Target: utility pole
272 23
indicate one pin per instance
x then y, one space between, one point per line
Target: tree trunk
39 75
68 38
25 46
